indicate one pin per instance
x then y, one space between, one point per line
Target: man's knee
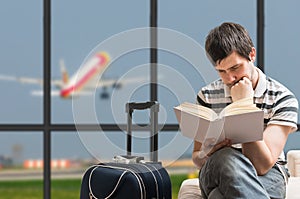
229 156
190 189
226 162
226 152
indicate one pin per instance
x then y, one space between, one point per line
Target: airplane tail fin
64 73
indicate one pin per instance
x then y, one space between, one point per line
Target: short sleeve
285 111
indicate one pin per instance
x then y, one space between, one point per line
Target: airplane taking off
83 82
84 75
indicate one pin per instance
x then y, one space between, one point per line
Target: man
249 170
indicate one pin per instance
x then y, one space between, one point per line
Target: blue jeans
230 174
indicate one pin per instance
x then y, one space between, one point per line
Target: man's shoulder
276 88
214 86
280 95
284 104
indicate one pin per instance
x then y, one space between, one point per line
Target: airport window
50 138
282 43
189 23
21 164
80 29
21 62
282 50
69 158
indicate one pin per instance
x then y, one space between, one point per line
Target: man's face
233 68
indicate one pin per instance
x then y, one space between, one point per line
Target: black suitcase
130 177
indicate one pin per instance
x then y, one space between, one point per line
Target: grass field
60 189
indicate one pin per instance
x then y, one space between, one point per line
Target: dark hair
226 38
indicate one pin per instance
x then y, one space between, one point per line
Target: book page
198 110
197 128
239 107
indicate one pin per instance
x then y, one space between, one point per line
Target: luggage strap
126 170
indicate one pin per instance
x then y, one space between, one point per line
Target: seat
190 189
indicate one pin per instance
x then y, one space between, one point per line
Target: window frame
47 127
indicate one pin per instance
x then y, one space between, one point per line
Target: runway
183 166
37 174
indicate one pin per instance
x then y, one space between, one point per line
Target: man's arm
264 154
198 161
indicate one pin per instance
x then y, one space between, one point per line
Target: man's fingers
209 142
221 144
210 149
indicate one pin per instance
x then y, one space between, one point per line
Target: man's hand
242 89
202 151
209 146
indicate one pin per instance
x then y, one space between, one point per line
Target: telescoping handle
154 108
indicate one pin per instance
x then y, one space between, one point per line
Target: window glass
292 142
182 56
21 61
68 145
282 43
21 164
84 148
282 49
69 160
80 30
80 149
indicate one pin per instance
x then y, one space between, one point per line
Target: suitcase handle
154 108
127 159
131 106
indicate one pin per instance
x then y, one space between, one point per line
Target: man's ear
252 54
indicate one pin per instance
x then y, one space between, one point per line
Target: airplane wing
22 80
106 82
29 80
121 82
56 93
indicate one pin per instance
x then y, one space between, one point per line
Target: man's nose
231 78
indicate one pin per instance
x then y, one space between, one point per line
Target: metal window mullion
47 99
153 50
260 34
153 70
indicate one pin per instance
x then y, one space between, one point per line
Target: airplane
83 82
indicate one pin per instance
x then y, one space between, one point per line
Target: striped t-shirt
279 104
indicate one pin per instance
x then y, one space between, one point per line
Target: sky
81 28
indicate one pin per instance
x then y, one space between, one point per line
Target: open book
241 122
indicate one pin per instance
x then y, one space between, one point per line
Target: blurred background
79 29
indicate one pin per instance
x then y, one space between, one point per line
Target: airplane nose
65 93
104 58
